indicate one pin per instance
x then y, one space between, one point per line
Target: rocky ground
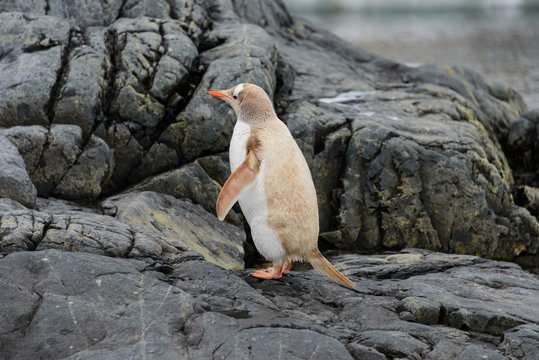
112 157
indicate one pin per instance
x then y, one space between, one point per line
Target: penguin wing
239 181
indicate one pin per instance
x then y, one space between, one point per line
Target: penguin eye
235 97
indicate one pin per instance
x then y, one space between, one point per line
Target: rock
197 308
76 305
183 224
421 310
87 176
199 181
127 155
7 205
522 342
36 44
522 147
83 95
22 229
394 343
91 233
212 334
134 75
30 140
14 178
359 351
476 352
528 197
206 125
62 163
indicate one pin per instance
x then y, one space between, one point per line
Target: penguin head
250 102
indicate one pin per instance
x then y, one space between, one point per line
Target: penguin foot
287 266
274 272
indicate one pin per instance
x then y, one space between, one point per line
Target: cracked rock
16 183
184 224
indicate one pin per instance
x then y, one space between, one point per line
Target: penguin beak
217 93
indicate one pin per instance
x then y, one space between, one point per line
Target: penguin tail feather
324 267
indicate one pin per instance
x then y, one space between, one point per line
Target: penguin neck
256 116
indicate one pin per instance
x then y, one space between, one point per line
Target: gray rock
76 305
61 162
528 197
30 140
359 351
396 344
84 91
521 342
91 233
86 177
206 124
193 181
476 352
14 178
205 309
7 205
22 229
422 310
36 44
183 223
127 155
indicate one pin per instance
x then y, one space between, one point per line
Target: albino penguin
273 184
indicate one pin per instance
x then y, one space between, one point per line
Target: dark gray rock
86 177
212 334
22 229
248 54
14 178
421 310
61 162
396 344
521 342
199 309
476 352
36 44
134 75
30 140
83 94
83 306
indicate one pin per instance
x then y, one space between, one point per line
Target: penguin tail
324 267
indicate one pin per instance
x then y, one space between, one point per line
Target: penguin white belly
253 200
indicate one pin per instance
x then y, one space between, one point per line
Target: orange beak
216 93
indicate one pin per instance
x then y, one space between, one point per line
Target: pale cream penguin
272 182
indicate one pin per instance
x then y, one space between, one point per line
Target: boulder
16 183
183 223
62 163
33 49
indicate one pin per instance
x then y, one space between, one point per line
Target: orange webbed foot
274 272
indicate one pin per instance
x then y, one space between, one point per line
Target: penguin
272 182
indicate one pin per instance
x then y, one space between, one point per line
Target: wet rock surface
112 158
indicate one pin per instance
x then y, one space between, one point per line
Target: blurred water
498 38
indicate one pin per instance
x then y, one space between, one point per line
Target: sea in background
498 38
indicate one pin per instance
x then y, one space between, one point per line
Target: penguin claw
269 273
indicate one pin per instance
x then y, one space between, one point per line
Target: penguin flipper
240 180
